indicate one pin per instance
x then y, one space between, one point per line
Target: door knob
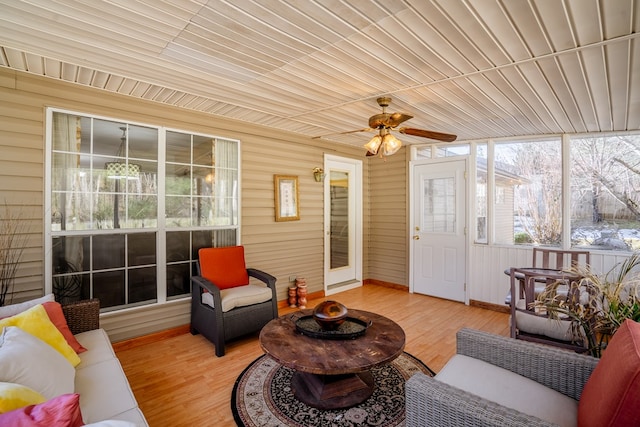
416 237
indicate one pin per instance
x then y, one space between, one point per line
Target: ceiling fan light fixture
390 144
373 145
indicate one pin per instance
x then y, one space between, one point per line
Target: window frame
428 150
161 229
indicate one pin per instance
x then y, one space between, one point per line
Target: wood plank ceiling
475 68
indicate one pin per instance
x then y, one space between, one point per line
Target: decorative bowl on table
330 315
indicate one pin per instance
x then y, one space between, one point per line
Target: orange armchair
224 304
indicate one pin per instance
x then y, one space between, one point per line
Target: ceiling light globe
390 144
373 145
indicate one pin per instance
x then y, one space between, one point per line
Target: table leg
332 391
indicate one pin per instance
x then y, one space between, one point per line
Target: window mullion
161 235
566 192
491 188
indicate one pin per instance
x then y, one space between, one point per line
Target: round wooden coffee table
332 373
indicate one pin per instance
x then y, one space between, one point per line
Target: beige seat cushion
240 296
532 324
509 389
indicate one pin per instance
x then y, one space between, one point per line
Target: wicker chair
430 402
224 304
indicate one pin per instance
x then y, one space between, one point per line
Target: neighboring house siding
281 248
504 216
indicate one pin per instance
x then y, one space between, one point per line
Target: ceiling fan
385 143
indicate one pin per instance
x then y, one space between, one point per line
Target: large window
605 191
604 199
528 188
130 206
520 190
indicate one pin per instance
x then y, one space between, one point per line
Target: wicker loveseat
499 381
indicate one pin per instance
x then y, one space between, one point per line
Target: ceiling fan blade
446 137
345 133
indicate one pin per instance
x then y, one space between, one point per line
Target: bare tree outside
605 192
539 205
536 167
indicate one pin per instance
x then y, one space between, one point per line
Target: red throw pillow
611 396
61 411
224 266
54 311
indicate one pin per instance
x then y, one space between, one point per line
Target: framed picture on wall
286 195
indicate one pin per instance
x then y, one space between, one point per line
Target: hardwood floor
178 380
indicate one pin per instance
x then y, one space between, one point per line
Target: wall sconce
318 174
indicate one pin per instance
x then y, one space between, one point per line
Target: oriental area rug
262 396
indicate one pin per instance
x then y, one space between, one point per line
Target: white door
438 224
342 223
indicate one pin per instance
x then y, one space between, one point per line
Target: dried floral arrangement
13 240
603 303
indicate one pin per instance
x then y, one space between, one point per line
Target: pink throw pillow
61 411
56 315
611 396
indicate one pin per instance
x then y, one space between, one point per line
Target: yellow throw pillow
16 396
36 322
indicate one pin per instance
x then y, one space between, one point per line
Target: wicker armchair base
432 403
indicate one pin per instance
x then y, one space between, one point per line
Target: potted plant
13 240
597 304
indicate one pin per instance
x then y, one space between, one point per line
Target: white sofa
104 390
106 399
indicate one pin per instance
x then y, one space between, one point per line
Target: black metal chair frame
220 327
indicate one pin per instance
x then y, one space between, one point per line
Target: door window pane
439 214
339 228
